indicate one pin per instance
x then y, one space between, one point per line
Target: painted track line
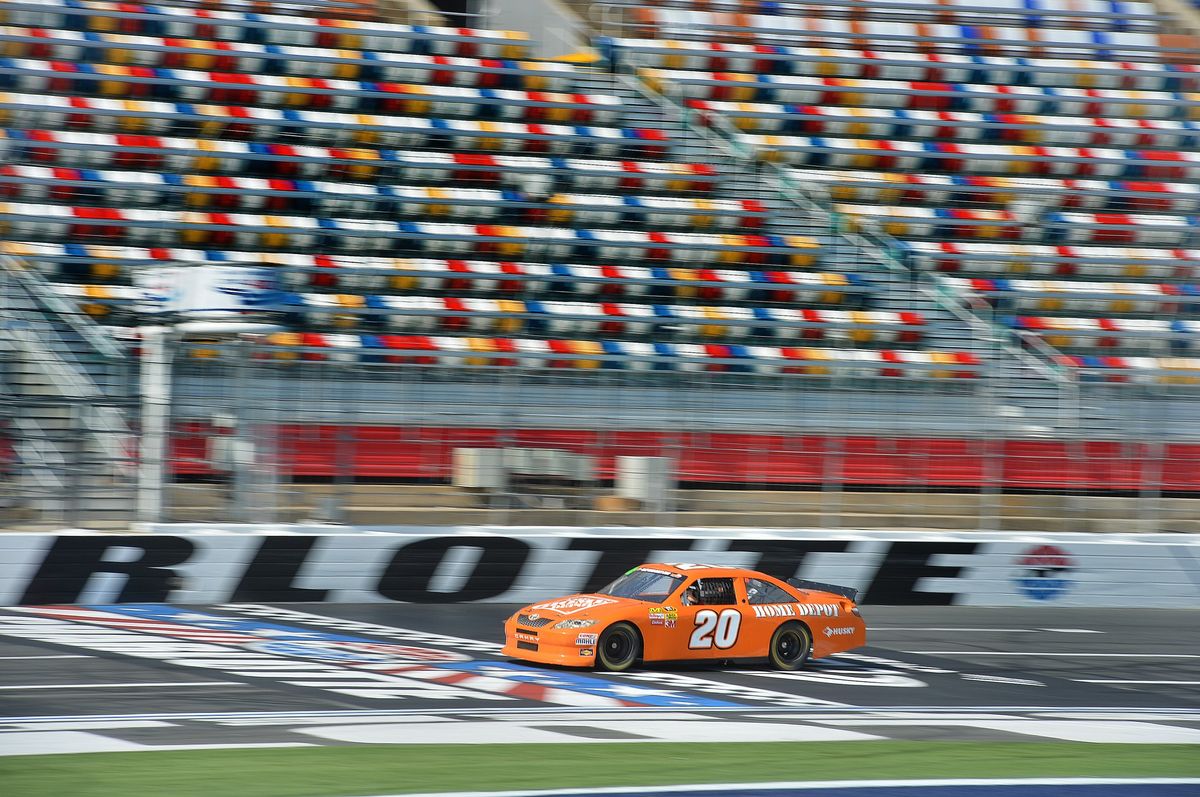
947 629
1053 653
125 685
818 785
59 656
333 714
1120 681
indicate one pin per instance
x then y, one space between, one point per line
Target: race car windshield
653 586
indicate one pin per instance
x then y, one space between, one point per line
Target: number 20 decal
719 629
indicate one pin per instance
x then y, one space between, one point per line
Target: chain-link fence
262 433
257 438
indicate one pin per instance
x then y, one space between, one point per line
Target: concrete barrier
225 563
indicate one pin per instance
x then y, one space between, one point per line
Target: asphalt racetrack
152 676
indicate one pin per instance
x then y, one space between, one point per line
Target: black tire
791 646
618 648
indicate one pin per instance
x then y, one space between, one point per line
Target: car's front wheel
791 645
618 648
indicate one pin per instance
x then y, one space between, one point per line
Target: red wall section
382 452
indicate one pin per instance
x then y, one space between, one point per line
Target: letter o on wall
409 574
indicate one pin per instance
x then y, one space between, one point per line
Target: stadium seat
973 39
225 57
1174 336
1070 228
592 354
1095 15
926 96
976 191
31 75
997 159
958 126
304 271
145 227
431 196
868 63
1107 297
269 29
1062 261
91 114
171 190
102 150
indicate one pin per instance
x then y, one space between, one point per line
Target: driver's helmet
692 594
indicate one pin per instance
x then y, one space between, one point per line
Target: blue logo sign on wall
1044 572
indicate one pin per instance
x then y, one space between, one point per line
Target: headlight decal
575 623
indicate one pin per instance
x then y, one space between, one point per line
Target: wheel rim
617 646
790 646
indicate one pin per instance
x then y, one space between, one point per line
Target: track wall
218 564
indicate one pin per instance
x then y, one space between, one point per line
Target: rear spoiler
845 592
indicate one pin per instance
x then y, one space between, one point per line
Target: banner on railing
215 564
204 291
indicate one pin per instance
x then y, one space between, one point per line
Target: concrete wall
216 564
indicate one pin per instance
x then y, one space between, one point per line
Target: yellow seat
105 271
102 24
587 347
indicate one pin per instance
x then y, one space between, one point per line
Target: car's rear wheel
791 646
618 648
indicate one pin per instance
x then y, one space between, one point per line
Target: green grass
359 770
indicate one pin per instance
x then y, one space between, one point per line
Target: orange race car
660 612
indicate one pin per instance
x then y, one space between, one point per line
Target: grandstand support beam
155 410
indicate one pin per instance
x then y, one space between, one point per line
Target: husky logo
832 632
797 610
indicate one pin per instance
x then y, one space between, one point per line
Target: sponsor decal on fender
588 640
586 652
665 616
796 610
573 605
832 632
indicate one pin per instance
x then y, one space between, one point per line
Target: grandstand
944 253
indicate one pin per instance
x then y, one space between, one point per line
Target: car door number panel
713 629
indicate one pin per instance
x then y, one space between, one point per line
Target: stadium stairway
67 393
1029 384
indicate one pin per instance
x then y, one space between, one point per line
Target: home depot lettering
796 610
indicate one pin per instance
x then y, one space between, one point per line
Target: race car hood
582 606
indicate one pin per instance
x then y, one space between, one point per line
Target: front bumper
548 646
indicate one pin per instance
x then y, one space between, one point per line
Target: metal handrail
41 292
